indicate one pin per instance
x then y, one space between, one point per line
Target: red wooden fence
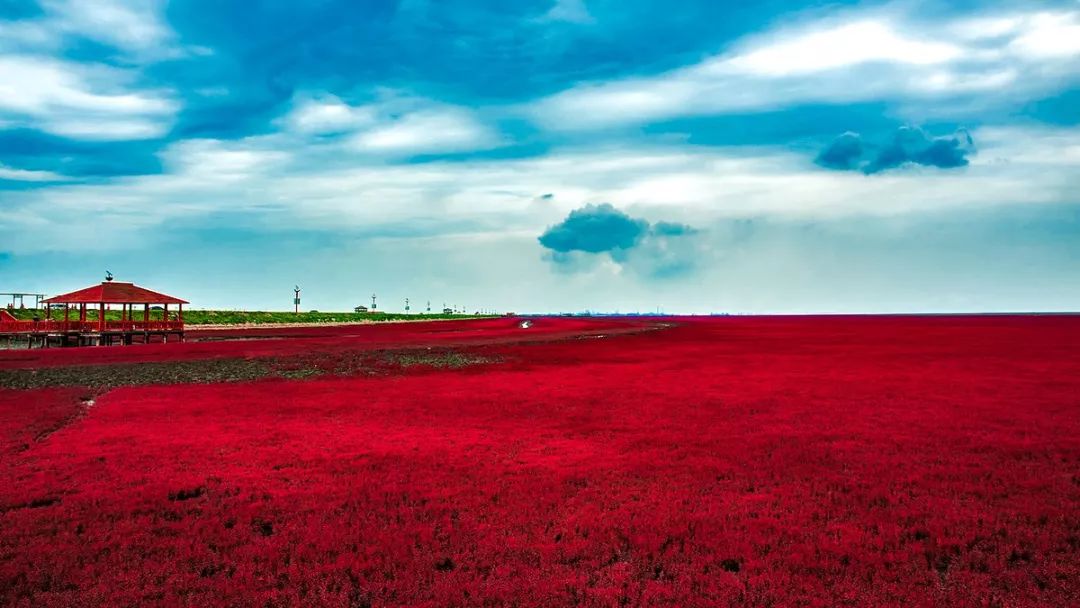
26 327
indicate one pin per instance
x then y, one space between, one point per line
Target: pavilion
77 328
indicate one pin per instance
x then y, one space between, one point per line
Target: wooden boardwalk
48 334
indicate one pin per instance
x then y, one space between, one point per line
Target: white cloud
851 56
326 114
394 124
983 28
211 161
1030 146
16 35
136 27
570 11
30 83
112 129
80 100
25 175
849 44
438 129
951 83
1049 35
261 182
86 100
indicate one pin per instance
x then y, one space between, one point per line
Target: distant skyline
546 155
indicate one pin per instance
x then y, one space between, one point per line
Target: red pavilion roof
113 292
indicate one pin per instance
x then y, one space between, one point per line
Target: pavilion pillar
180 313
67 313
146 313
165 313
101 317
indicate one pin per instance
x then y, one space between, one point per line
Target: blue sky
546 155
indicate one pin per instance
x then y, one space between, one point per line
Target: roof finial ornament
108 275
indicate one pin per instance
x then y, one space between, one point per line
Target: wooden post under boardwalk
102 331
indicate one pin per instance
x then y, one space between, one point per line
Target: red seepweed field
747 461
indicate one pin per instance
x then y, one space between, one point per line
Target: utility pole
296 299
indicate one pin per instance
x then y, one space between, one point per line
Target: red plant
916 461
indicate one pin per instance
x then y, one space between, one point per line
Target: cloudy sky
546 155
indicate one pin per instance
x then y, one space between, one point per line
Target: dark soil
236 369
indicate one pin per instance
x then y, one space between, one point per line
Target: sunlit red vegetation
872 461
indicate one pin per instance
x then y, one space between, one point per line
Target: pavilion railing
143 325
49 325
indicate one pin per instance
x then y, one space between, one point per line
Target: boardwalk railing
51 326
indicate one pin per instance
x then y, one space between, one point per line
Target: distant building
360 309
448 311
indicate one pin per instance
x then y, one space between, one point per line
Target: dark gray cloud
671 229
842 153
909 146
594 229
657 250
947 152
912 145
